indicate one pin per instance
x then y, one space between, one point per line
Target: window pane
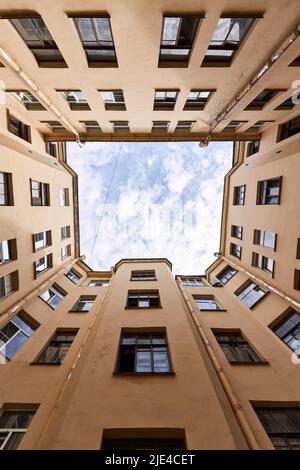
160 359
170 31
15 344
143 361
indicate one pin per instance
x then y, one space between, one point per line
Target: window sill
33 363
141 280
152 374
142 308
212 310
249 363
79 311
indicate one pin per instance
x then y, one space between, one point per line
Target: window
252 147
160 125
165 99
42 265
13 425
65 232
264 238
189 281
296 62
263 99
8 250
184 125
143 353
84 304
37 37
226 274
298 249
143 439
234 126
206 302
251 293
27 99
236 250
287 104
289 128
297 279
73 275
91 125
268 191
9 284
15 333
75 99
198 99
143 276
64 199
237 231
120 125
6 193
236 348
282 426
178 34
113 100
263 262
18 128
40 193
65 252
54 126
226 40
97 40
288 330
41 240
257 126
51 149
98 283
141 299
58 347
53 295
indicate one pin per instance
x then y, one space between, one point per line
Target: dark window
263 99
27 99
8 250
263 262
84 303
75 99
143 299
42 240
136 442
253 147
258 125
143 353
98 282
296 62
40 193
113 100
143 276
42 264
65 232
298 249
289 128
177 39
198 99
251 293
165 100
288 330
191 281
18 128
206 302
184 125
97 40
226 274
234 126
236 348
37 37
226 40
54 126
73 275
91 125
239 194
235 250
51 149
6 193
297 279
15 333
64 199
120 125
57 348
264 238
53 295
160 125
13 426
282 426
287 104
237 231
65 252
9 284
268 191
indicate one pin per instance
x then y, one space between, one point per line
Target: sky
165 201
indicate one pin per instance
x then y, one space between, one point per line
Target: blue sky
165 201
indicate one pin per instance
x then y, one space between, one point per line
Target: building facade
133 357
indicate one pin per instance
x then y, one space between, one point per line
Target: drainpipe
259 281
237 408
34 293
69 374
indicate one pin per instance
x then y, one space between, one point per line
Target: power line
105 202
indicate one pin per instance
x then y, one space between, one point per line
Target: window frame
11 432
28 321
11 249
167 104
58 331
219 275
286 129
59 293
6 189
209 299
244 287
143 293
237 232
200 103
262 189
84 299
21 130
239 195
14 284
48 262
137 275
76 274
44 194
242 340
